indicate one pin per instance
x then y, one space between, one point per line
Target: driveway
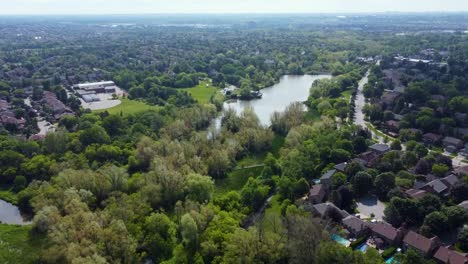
368 205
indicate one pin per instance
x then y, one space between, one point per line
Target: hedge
388 252
358 242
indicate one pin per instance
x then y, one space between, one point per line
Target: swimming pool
390 261
343 241
363 247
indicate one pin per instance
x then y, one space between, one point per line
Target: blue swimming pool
390 261
363 247
343 241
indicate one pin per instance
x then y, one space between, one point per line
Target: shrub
358 242
388 252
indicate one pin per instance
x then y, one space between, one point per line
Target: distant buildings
88 91
425 246
8 118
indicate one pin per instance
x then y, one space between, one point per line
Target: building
452 144
464 204
380 148
356 226
97 87
388 233
450 181
425 246
325 210
436 187
392 125
326 178
445 255
431 138
416 194
317 193
370 157
461 171
56 106
341 167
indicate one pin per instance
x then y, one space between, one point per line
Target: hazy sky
224 6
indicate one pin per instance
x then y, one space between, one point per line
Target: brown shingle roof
385 230
446 255
420 242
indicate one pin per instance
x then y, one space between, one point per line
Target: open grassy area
17 245
128 107
8 195
236 179
271 221
202 92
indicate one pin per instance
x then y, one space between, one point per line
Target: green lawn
236 179
202 92
128 107
8 195
17 245
346 94
271 221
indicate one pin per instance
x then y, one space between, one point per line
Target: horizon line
239 13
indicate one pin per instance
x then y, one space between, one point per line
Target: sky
43 7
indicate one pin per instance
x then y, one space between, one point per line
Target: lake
290 89
10 214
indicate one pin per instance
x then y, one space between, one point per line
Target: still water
10 214
290 89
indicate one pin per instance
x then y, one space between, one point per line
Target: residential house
356 226
450 181
388 99
452 144
380 148
370 157
432 138
388 233
56 106
436 187
317 193
425 246
326 178
416 194
464 204
461 171
445 255
325 210
392 125
341 167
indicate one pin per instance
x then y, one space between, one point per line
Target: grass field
202 92
8 195
236 179
128 107
17 245
272 219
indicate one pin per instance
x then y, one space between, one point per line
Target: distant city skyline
44 7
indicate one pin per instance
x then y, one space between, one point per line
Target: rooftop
419 242
446 255
380 147
385 230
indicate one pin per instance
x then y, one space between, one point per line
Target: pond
10 214
290 89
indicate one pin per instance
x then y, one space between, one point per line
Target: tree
254 193
218 164
437 222
456 216
463 238
189 232
199 188
113 124
411 257
159 236
384 183
96 134
439 170
338 179
460 192
362 183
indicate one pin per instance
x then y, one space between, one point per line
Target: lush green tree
362 183
199 188
159 236
384 183
436 222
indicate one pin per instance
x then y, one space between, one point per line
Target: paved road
360 102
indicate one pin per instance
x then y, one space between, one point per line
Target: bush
388 252
358 242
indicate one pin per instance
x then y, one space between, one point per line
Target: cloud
224 6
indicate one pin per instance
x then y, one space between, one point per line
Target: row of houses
318 192
383 235
8 117
57 108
